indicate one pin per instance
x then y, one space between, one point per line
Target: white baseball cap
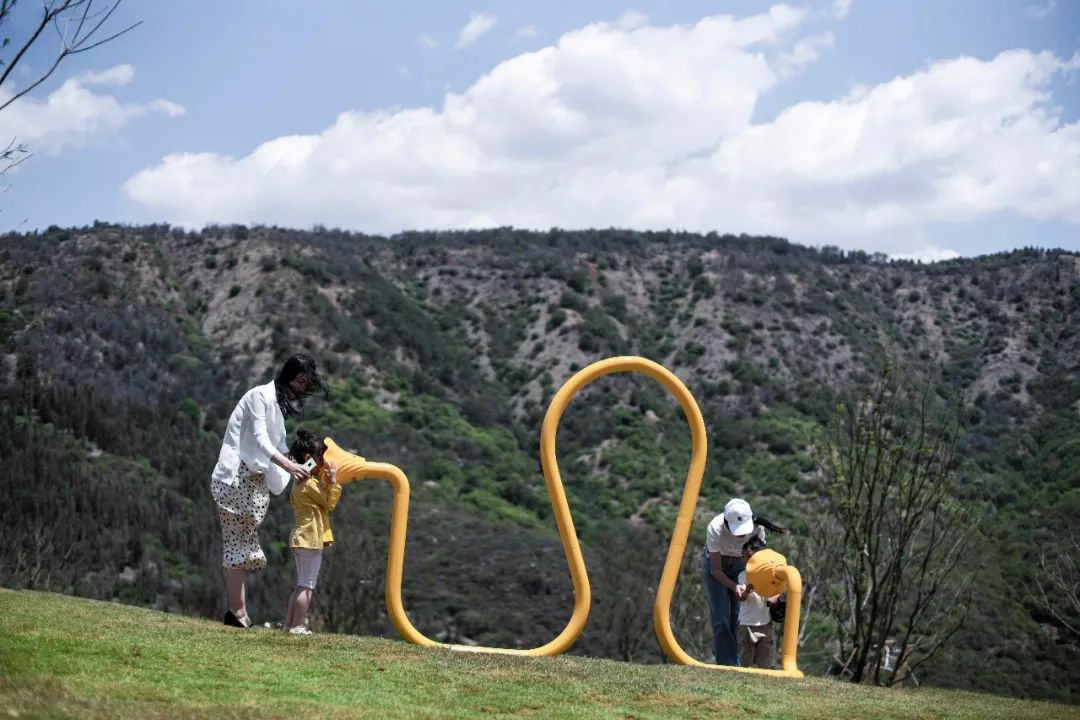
739 517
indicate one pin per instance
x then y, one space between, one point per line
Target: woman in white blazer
252 462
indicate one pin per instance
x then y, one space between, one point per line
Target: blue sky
922 128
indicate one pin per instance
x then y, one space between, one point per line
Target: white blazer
256 430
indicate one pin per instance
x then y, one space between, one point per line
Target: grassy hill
123 349
68 657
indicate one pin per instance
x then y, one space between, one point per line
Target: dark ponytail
306 444
768 524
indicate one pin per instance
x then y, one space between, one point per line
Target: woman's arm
296 470
262 439
258 426
718 574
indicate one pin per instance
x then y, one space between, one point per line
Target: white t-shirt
753 610
718 538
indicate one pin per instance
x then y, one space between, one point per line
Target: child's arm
333 494
312 492
327 493
325 496
333 488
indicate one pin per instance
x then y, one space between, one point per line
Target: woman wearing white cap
723 561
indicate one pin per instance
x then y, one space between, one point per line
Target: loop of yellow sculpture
582 596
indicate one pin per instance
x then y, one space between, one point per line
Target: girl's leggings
307 566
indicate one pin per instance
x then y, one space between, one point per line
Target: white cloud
429 42
166 106
928 254
479 24
956 141
74 115
118 75
805 52
653 128
1040 11
631 20
841 8
525 32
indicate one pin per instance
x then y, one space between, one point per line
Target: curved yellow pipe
582 594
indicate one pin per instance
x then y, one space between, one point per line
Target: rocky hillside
124 349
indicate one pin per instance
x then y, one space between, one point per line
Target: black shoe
232 621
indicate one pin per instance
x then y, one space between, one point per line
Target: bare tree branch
70 13
45 20
894 537
1058 583
108 39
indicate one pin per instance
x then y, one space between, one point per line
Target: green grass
68 657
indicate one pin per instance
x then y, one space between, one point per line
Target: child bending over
312 501
757 642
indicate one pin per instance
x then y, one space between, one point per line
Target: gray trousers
757 646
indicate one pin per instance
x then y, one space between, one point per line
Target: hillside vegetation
125 348
65 657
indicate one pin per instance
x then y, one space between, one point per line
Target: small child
312 502
756 640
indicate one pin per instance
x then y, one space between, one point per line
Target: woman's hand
331 472
298 471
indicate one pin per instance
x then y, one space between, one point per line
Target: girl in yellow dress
312 502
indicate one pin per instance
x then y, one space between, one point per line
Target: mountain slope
124 349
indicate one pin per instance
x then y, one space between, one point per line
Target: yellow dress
312 501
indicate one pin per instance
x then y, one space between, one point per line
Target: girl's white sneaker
299 630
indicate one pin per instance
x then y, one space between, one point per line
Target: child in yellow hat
757 641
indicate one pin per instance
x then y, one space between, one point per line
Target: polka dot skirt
241 509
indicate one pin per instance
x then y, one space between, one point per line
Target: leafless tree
1058 584
887 538
33 557
79 27
14 154
690 620
624 586
350 596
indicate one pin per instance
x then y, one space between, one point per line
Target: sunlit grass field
65 657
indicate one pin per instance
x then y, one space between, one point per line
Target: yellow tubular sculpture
395 556
582 597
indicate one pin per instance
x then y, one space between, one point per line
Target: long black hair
301 364
768 524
